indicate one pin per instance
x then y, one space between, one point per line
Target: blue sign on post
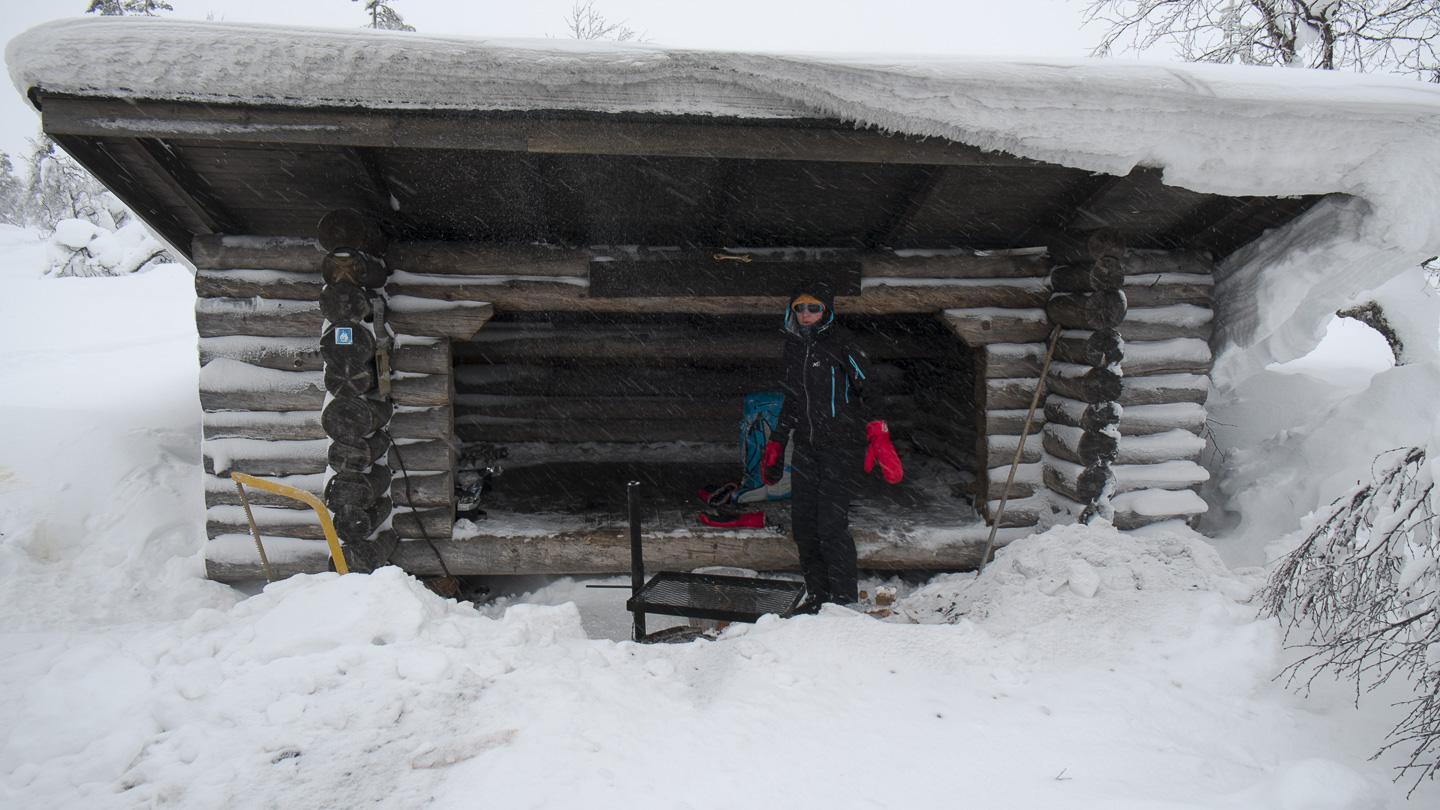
344 336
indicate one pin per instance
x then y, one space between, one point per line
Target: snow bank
1218 129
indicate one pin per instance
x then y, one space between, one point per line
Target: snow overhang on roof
1213 129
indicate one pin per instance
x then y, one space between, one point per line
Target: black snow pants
822 484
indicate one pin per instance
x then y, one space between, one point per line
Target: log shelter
595 287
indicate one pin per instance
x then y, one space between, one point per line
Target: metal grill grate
712 596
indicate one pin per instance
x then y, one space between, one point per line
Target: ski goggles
814 309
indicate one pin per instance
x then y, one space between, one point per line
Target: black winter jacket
829 397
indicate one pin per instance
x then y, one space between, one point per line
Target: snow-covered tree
59 187
119 8
12 193
383 17
1400 36
587 22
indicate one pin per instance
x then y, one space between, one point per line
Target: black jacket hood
819 290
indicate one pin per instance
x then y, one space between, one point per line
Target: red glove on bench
883 451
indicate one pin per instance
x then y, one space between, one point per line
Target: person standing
831 413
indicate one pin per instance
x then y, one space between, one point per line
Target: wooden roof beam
185 184
920 194
772 140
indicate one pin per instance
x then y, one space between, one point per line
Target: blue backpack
757 423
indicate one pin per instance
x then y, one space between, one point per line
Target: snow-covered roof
1217 129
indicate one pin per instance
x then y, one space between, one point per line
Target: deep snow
1086 668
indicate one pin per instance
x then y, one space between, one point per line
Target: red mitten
774 454
883 451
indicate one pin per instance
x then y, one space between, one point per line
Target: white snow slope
1087 668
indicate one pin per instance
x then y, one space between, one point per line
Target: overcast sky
1050 28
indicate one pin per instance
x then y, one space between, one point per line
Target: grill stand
699 596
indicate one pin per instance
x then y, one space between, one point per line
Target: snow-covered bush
115 244
1365 586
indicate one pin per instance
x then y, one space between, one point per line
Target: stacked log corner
1125 444
1088 304
354 350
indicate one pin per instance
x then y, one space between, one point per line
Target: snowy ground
1086 669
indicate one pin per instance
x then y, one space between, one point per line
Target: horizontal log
271 521
355 416
1084 447
1101 347
985 325
233 558
423 489
281 354
473 258
1009 393
435 422
602 408
220 491
1011 360
418 456
1165 289
1085 383
345 301
215 317
422 358
1155 448
458 320
1020 512
296 425
502 430
1140 420
1026 483
358 487
416 524
1142 262
279 401
354 453
414 390
1012 420
220 252
1000 450
1097 310
1162 388
244 283
1146 506
952 264
1167 323
1178 356
264 458
534 380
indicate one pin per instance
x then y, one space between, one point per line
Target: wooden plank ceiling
191 169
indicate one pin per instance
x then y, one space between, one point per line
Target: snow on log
1027 478
247 283
1164 289
233 557
1080 446
220 491
226 519
287 253
979 326
268 425
1000 450
1145 506
1012 360
1080 414
1167 322
1180 355
260 457
1012 420
1162 388
1009 392
459 320
1065 476
1134 419
283 354
261 317
232 385
1157 447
